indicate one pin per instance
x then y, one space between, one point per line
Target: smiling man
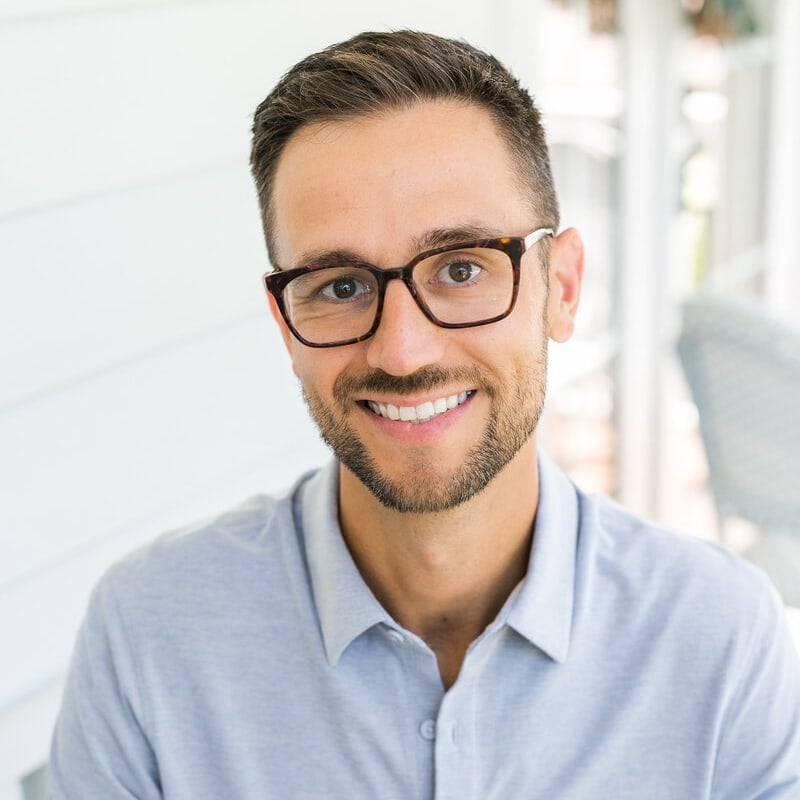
439 612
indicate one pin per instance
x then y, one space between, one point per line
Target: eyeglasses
457 286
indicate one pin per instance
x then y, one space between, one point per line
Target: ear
566 274
288 338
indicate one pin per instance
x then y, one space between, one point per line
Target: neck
445 576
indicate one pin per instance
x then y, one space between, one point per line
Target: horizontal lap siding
142 382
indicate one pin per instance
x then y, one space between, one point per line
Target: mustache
346 387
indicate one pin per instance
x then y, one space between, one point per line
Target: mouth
422 413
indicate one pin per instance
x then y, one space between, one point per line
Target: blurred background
142 382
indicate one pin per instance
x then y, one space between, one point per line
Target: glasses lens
467 285
332 304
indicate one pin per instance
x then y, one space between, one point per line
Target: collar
540 609
345 605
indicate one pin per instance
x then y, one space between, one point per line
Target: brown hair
375 72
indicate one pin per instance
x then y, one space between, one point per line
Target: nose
406 339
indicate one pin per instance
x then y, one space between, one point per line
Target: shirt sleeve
100 747
759 750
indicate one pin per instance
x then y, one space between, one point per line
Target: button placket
427 729
454 747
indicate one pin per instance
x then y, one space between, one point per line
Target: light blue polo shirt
246 659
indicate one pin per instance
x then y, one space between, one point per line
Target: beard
515 406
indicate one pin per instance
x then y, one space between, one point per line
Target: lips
424 412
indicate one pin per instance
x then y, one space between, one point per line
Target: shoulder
704 631
207 562
644 550
674 583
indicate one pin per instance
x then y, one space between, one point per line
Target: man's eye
459 272
344 288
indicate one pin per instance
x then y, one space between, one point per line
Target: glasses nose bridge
403 274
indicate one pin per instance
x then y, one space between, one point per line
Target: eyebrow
430 240
328 258
444 237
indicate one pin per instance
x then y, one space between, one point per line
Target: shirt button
428 730
396 636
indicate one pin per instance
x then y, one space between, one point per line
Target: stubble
515 405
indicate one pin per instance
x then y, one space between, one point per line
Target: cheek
534 293
524 329
534 316
317 369
308 377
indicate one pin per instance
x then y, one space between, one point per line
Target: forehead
377 183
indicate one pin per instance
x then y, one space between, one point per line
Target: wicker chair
743 369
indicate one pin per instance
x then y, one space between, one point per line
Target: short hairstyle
375 72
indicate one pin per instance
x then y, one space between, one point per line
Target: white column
648 185
782 269
518 34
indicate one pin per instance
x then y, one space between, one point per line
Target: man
439 612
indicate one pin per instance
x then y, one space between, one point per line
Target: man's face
380 189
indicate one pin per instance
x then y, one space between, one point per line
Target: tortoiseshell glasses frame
513 246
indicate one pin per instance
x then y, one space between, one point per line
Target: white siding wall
141 381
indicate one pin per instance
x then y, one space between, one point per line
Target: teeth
425 410
421 413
